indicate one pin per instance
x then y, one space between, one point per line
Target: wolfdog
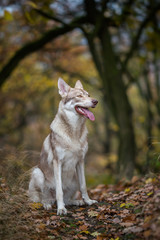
60 173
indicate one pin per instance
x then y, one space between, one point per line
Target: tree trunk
116 97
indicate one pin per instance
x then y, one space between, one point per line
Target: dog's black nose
94 101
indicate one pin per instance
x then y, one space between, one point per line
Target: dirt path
124 211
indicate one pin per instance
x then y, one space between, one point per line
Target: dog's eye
79 96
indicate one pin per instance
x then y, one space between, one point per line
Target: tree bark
116 97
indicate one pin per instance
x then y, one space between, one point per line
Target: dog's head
76 99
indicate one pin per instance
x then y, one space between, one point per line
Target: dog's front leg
82 183
59 193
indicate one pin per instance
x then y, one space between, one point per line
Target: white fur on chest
69 158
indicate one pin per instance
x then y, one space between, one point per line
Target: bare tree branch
35 46
138 35
46 15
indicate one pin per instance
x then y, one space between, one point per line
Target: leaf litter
127 210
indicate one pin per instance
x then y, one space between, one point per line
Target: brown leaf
127 224
80 209
81 237
129 218
125 211
101 216
54 217
116 220
133 229
147 233
100 238
134 179
83 227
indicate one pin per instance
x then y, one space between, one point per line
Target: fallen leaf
129 218
95 234
133 229
92 214
80 236
127 190
149 194
134 179
51 237
149 180
116 220
147 219
80 209
36 205
86 232
125 211
127 224
41 226
128 205
122 205
83 227
99 238
101 216
147 233
55 217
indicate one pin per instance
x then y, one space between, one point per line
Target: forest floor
127 210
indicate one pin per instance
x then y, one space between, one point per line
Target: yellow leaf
122 205
86 232
149 180
147 219
36 205
154 179
149 194
8 16
127 190
128 205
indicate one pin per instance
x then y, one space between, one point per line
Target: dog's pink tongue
89 114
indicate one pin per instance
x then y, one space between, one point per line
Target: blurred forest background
113 47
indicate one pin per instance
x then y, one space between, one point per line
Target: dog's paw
79 202
47 206
90 202
76 202
35 199
61 211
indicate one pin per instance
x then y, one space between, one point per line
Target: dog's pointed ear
78 84
63 87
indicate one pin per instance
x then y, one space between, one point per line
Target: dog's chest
70 156
69 163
